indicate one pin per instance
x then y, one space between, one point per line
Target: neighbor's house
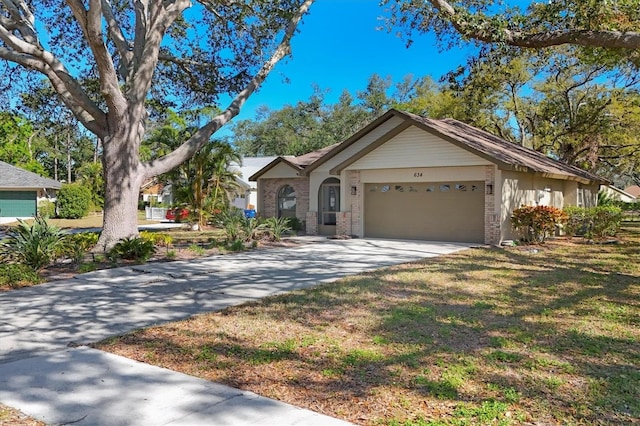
153 193
20 191
246 195
617 194
633 190
408 177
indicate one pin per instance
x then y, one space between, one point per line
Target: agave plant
277 227
34 245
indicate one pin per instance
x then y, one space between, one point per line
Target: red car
177 214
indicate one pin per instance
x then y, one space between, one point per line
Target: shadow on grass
551 336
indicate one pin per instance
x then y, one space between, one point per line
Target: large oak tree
611 24
109 61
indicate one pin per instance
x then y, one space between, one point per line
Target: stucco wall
527 189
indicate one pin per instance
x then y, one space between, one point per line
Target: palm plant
34 245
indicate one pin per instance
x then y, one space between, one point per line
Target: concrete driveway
39 324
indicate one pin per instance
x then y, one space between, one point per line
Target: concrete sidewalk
43 377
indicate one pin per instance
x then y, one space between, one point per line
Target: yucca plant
34 245
276 227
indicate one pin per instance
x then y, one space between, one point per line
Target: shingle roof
479 142
311 157
502 150
15 178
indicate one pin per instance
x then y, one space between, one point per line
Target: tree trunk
123 177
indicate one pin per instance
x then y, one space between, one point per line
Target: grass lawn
526 335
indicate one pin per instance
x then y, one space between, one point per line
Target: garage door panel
17 203
452 211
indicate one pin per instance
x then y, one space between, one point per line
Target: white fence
155 213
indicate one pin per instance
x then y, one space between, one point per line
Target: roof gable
13 177
504 154
288 160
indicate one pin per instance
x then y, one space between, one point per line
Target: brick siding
491 218
269 192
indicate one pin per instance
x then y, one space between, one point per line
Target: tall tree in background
312 124
19 143
168 52
66 146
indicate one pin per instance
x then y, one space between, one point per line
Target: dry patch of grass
485 336
12 417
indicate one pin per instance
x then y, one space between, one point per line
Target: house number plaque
417 174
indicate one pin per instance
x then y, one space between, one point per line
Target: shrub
134 248
73 201
277 227
595 222
534 224
577 222
46 209
606 221
236 245
296 224
18 275
157 238
75 246
34 245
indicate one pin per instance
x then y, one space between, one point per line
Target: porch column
312 223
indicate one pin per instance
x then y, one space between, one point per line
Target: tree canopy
115 63
610 24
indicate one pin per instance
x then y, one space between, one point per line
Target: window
286 202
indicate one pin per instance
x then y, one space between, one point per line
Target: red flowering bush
536 223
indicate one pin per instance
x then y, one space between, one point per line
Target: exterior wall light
489 189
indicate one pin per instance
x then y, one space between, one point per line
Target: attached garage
18 203
437 211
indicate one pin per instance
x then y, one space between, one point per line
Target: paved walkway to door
47 373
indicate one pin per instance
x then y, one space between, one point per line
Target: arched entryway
328 206
287 201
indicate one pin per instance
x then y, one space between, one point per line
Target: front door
329 205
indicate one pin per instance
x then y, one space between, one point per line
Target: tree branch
118 37
201 137
483 31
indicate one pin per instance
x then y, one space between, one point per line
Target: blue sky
339 47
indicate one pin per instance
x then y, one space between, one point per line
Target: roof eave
351 140
275 162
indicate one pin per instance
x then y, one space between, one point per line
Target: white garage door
436 211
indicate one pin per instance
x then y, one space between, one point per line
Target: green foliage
312 124
606 221
73 201
237 227
90 175
577 221
205 182
236 245
34 245
46 209
75 246
137 249
296 224
276 227
595 222
535 224
18 275
197 249
157 238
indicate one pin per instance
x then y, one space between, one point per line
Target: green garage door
17 203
